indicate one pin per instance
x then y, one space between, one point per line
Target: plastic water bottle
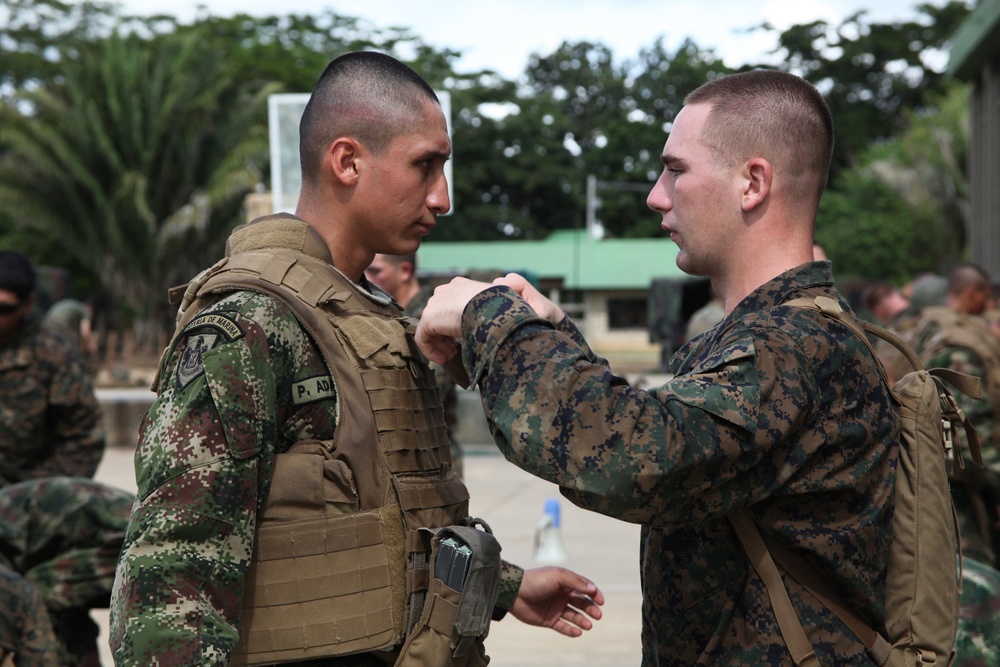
549 547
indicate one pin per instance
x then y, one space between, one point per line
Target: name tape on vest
313 389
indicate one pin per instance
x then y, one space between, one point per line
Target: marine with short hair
778 410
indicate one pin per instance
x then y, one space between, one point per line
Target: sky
502 34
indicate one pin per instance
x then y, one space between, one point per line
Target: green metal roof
582 262
977 40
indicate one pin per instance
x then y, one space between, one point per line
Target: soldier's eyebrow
435 154
672 161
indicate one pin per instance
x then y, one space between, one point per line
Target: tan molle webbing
410 426
322 584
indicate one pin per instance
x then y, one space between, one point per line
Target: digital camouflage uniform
63 536
447 386
778 408
231 396
50 420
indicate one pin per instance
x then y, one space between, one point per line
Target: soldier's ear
342 160
756 183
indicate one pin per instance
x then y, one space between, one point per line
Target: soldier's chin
685 264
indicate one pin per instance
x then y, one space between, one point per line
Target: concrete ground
512 502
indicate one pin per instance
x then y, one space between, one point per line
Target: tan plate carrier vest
338 564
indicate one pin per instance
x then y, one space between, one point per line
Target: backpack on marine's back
924 579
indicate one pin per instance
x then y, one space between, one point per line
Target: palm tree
137 159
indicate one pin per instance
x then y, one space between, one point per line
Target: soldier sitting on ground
59 544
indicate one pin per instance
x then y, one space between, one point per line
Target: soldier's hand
539 303
554 597
441 322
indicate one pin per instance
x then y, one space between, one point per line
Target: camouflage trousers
62 535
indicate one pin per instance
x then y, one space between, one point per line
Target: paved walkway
512 502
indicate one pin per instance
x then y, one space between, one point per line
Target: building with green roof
603 283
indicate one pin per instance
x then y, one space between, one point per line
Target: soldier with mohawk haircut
294 473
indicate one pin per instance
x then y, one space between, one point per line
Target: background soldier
74 320
957 336
50 420
63 536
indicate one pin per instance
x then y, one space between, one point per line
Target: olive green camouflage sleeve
568 326
63 534
203 466
510 583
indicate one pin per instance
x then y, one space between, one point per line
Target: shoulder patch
191 363
226 325
313 389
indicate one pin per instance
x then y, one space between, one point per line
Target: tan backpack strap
967 384
804 573
762 556
788 621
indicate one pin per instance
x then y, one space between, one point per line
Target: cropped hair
968 275
366 95
17 274
774 115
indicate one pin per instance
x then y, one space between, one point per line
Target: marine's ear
757 179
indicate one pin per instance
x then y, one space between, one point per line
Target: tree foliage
904 208
872 74
128 143
135 162
578 113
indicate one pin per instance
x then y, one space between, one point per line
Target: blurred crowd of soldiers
953 322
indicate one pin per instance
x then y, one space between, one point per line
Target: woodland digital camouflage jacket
777 408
